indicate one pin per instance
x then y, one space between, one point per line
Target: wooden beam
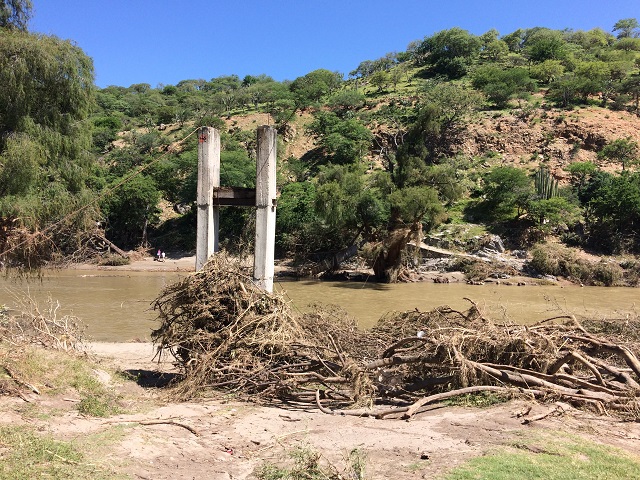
234 197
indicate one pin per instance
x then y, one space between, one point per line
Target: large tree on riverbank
45 100
14 14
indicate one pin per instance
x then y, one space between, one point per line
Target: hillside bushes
557 260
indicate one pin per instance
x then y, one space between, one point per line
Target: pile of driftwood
228 335
33 326
42 326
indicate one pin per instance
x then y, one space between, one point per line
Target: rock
495 243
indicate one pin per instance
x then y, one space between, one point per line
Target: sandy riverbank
232 438
181 263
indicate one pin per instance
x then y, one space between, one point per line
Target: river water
116 305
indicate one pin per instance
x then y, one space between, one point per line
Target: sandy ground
181 263
172 263
224 438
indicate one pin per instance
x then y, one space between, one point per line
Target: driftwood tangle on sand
228 335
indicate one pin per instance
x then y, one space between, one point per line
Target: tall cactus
546 185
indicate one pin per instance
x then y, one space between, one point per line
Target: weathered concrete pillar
265 208
208 178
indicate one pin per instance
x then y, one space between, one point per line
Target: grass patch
60 372
562 459
25 455
114 260
477 400
99 405
558 260
307 464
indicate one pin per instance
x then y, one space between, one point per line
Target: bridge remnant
211 196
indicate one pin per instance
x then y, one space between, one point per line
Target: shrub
113 260
607 273
557 260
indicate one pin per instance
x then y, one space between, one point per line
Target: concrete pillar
208 178
265 208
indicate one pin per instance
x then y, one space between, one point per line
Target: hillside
552 136
555 137
531 135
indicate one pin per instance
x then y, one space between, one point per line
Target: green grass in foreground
62 372
25 455
573 459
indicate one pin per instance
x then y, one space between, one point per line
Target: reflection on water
116 305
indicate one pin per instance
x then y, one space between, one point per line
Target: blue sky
163 42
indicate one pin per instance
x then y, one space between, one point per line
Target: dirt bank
224 438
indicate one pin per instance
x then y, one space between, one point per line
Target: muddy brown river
116 305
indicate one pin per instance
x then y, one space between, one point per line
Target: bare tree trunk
388 261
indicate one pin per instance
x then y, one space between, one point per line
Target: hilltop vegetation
531 134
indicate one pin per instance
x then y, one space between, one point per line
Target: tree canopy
15 14
45 139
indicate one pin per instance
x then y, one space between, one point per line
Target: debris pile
34 326
45 327
226 334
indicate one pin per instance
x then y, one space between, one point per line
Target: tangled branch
226 334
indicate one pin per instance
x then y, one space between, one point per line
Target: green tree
380 79
446 179
224 83
566 90
20 166
500 85
297 230
580 173
343 141
628 44
450 52
414 209
593 40
614 212
416 206
131 210
349 204
313 86
45 99
547 71
623 150
626 28
345 101
436 128
543 44
515 40
507 190
15 14
549 214
47 91
495 51
631 87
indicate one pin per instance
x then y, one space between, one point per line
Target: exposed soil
224 438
